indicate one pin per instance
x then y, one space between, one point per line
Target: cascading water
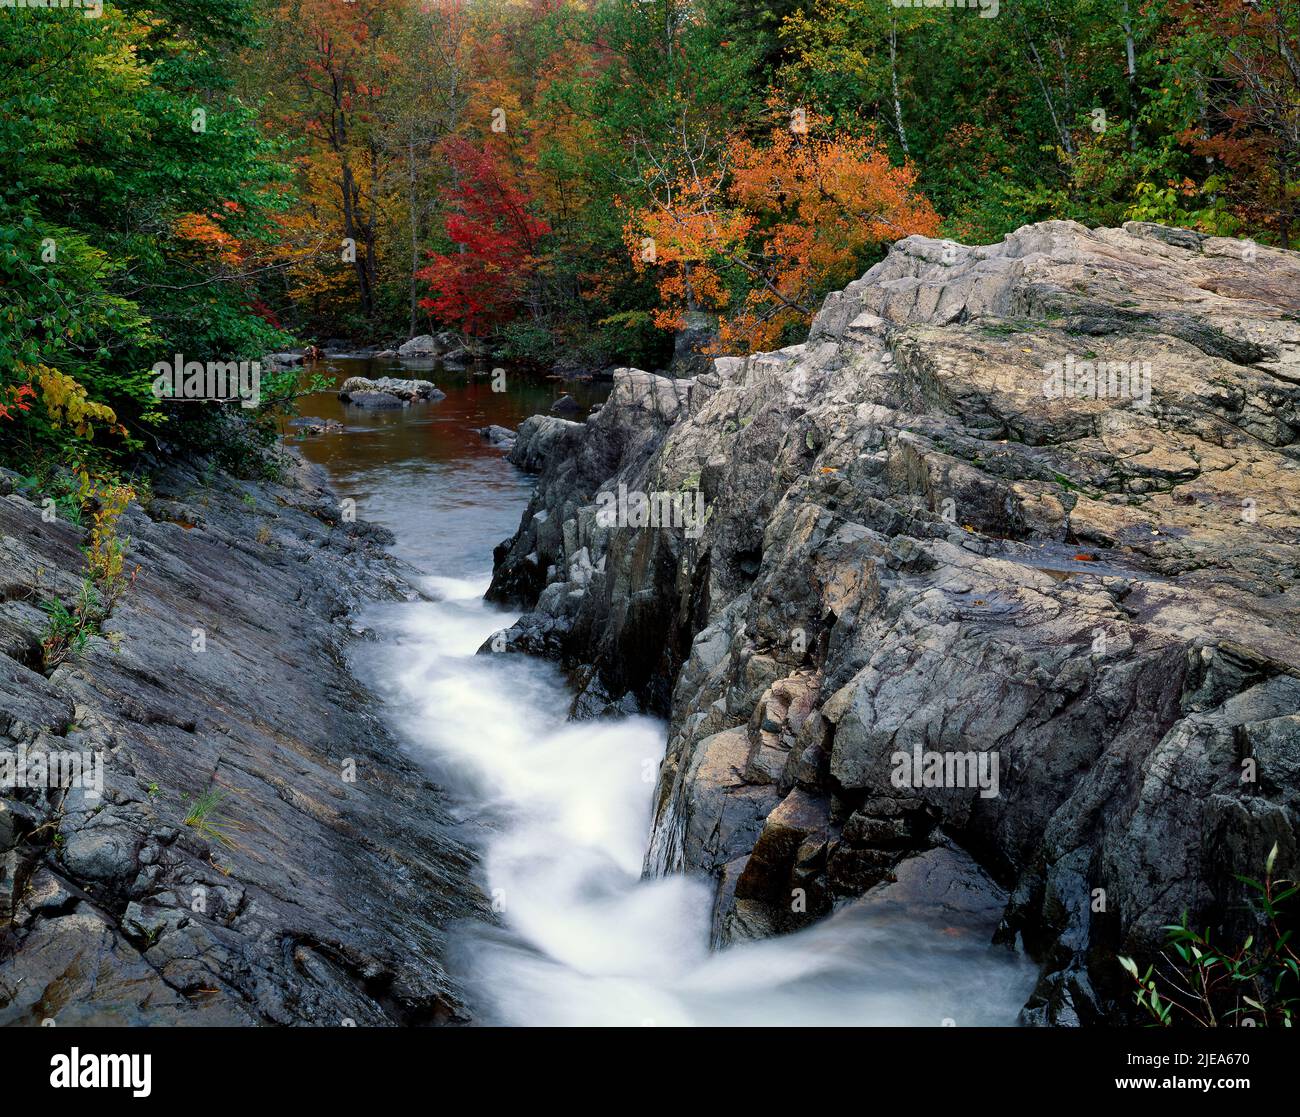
561 810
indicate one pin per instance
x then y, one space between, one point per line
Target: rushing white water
561 811
565 811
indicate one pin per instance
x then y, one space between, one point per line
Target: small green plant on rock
1196 982
70 628
203 817
68 631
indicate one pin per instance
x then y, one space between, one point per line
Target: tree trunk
412 203
893 77
357 236
1131 57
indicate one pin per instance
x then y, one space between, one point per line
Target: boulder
403 391
566 405
101 853
283 360
539 439
425 345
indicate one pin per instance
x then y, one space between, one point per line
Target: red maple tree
481 284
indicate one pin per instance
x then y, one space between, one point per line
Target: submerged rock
310 425
498 436
1004 555
566 405
376 401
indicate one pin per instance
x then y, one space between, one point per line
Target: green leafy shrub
1199 983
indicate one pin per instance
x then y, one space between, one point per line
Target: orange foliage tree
760 240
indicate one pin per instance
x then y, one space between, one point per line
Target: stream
560 811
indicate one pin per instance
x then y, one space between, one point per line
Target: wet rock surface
1031 509
497 435
315 882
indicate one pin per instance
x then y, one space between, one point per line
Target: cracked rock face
330 899
1003 557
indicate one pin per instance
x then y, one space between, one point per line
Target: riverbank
261 850
999 566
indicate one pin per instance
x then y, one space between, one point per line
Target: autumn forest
574 182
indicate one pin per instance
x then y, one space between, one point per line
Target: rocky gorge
1032 506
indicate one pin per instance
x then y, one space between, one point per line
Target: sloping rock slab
319 889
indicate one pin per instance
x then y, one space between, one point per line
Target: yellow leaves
106 551
68 406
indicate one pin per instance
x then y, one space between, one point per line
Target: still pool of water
424 471
559 810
